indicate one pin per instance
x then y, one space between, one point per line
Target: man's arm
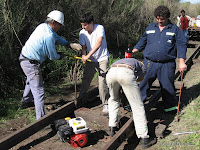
83 53
141 43
181 45
189 21
51 49
94 49
84 50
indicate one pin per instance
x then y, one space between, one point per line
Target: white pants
124 77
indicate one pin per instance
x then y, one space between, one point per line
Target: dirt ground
46 139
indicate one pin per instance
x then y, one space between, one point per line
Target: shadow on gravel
39 140
132 143
189 94
94 103
95 136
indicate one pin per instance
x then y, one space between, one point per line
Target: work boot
113 131
25 105
148 142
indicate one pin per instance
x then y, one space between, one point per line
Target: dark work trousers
165 74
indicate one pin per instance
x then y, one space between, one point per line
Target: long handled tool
75 77
179 95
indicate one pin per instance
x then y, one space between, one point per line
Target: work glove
75 46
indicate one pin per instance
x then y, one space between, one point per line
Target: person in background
161 42
184 22
125 73
92 38
39 47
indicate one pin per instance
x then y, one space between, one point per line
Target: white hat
57 16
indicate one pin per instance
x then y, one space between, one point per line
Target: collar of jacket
169 25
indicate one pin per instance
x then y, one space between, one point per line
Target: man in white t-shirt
92 38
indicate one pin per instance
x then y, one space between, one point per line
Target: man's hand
75 46
182 65
135 50
84 58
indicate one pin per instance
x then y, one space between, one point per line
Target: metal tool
180 133
179 95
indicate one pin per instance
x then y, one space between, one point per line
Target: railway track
125 131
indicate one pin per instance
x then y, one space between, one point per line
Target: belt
31 61
165 61
123 65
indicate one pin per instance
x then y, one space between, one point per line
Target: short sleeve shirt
89 40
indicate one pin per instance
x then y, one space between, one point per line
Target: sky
191 1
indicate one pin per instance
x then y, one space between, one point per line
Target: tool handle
81 58
76 57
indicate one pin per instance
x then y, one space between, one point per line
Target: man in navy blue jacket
162 41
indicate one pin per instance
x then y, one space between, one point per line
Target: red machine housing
78 140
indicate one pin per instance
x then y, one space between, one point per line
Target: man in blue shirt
39 47
161 42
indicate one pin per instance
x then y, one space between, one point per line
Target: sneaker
148 142
105 110
25 105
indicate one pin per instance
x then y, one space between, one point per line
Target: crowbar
179 95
